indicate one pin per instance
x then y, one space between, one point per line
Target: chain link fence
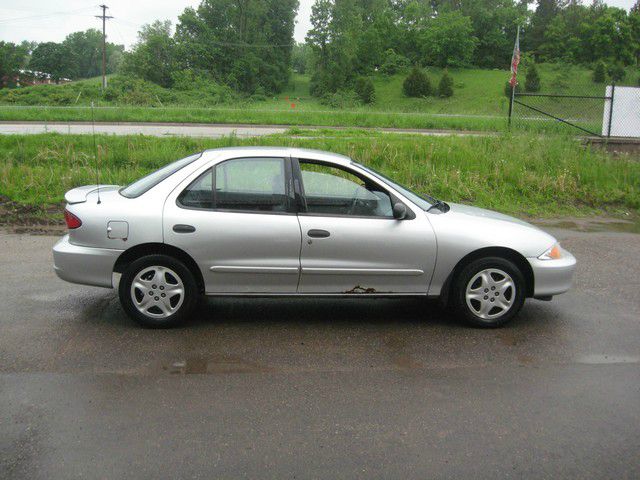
587 108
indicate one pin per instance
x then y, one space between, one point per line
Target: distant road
188 129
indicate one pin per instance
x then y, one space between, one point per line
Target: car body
289 221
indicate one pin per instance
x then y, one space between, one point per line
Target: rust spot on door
358 289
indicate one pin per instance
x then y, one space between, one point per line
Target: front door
243 234
350 241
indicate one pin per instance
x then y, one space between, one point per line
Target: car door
243 234
350 241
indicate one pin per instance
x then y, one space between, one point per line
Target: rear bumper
553 277
84 265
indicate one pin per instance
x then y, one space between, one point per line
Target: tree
616 72
85 49
600 72
365 90
12 58
153 58
532 79
244 43
445 87
612 36
300 57
417 84
448 40
54 59
393 62
545 12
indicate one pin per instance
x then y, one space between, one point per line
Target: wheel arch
503 252
144 249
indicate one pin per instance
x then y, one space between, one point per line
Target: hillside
478 103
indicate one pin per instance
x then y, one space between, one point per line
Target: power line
45 15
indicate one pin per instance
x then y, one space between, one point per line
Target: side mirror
399 211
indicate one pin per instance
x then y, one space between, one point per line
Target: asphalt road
189 130
320 388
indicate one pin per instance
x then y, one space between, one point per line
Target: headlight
554 253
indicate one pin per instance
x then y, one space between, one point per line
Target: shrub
600 72
365 90
417 84
393 62
616 72
507 89
532 79
341 99
445 87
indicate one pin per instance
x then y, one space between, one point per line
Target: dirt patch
593 224
33 219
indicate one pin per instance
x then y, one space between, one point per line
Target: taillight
71 219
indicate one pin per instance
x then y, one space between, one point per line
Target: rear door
244 233
350 241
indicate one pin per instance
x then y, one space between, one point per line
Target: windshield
139 187
422 201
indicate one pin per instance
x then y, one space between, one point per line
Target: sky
44 20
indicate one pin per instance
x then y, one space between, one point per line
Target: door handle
184 228
315 233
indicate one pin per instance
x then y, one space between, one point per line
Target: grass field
525 175
479 103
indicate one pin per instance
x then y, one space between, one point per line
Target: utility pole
104 18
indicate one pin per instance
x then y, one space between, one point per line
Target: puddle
602 359
592 225
215 364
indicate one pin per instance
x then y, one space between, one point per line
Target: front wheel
489 292
158 291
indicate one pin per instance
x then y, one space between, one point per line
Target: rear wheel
489 292
158 291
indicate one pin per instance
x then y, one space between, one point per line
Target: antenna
95 152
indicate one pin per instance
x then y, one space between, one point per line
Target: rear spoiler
80 194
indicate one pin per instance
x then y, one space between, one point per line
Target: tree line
79 55
249 46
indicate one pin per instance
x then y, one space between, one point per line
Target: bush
616 72
341 99
393 62
417 84
365 90
507 89
445 87
600 72
532 79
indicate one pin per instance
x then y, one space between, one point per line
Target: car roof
306 153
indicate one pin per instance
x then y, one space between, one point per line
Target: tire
158 291
488 292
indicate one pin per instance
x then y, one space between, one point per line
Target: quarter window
331 190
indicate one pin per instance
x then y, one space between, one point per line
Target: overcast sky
44 20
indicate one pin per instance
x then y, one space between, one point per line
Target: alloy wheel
157 291
490 293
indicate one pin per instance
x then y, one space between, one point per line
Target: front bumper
552 277
84 265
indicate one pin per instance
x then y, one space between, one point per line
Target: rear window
143 185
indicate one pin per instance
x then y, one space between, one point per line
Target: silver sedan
287 221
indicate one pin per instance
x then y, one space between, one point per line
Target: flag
515 61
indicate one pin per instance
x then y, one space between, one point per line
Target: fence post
613 91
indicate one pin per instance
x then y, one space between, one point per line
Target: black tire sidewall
190 291
468 272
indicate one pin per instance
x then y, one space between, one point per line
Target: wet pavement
321 388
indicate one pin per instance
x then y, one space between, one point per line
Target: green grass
525 175
479 103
